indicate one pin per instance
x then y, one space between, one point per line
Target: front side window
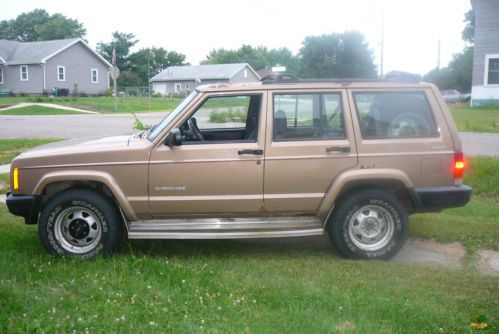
61 73
24 72
395 115
1 74
316 116
224 119
94 73
493 71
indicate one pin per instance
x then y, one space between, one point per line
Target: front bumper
26 206
434 199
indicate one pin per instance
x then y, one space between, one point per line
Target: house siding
168 87
486 42
78 62
12 79
239 76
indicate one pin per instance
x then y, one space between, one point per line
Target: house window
94 75
24 72
245 74
492 70
61 73
188 86
178 87
1 74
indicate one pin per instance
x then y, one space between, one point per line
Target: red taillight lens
458 165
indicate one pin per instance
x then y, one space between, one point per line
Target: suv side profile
351 159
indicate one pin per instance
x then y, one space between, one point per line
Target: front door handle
344 149
255 152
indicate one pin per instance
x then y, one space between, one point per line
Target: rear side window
395 115
316 116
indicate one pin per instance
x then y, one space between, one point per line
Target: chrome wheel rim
78 230
371 228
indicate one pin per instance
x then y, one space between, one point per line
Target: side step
225 228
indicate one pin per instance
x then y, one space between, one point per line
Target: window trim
21 72
1 74
59 73
320 93
422 92
177 84
224 142
486 69
96 75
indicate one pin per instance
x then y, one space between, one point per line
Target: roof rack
288 78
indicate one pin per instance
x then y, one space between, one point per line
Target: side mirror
174 138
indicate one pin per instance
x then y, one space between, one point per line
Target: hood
78 145
76 152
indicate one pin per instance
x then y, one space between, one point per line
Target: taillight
458 165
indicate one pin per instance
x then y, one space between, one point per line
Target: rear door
309 142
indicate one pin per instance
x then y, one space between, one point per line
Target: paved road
77 126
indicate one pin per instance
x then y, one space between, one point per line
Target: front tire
81 223
370 224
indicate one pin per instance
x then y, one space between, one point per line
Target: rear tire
370 224
81 223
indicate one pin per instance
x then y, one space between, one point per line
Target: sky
412 29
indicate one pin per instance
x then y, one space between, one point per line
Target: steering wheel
193 126
409 125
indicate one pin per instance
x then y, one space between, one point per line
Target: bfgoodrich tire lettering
370 224
80 222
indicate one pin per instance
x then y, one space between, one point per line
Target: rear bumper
431 199
26 206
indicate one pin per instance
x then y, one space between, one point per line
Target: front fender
88 175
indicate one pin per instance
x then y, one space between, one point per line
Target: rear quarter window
394 115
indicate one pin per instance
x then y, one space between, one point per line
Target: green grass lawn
479 119
10 148
4 183
103 104
253 286
230 286
38 110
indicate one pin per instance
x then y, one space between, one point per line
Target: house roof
201 72
13 52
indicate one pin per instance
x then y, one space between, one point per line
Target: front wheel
370 224
80 222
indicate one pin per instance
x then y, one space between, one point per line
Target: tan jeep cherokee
276 159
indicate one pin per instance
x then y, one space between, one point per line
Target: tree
258 58
468 33
122 43
455 76
337 55
39 25
148 62
458 74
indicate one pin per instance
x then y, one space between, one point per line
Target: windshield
158 128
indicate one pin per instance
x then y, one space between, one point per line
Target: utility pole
382 43
149 78
438 55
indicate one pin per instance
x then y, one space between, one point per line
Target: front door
218 169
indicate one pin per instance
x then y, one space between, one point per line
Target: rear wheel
80 222
370 224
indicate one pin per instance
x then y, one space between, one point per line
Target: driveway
78 126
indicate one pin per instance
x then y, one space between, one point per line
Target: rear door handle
255 152
344 149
